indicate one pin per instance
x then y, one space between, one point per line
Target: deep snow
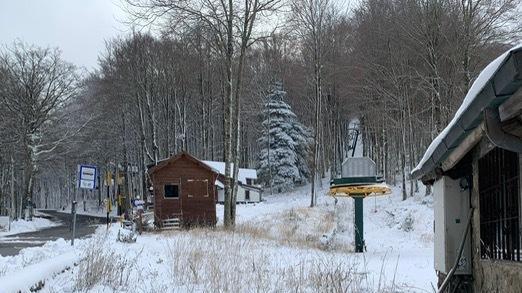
279 245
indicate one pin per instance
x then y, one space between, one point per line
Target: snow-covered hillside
279 245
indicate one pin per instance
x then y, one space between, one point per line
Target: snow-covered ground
278 245
21 226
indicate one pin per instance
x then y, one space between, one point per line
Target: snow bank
23 280
34 255
22 226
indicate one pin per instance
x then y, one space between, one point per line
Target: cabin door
172 199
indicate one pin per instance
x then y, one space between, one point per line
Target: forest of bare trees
193 75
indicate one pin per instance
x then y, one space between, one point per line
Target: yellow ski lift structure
362 190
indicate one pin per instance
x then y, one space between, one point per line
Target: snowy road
86 225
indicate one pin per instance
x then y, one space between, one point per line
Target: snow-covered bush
284 145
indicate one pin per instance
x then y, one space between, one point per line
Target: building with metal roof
474 167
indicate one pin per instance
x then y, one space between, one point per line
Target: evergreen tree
284 145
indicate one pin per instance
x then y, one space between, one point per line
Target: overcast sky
77 27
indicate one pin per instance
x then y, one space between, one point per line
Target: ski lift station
474 167
359 180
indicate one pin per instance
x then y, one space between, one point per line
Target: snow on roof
481 81
243 174
219 184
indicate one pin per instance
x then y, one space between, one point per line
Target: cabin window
499 195
171 191
247 194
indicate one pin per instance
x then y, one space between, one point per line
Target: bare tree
38 86
311 18
232 25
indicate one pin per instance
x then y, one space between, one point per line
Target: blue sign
87 177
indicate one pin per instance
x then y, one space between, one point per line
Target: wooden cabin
184 191
474 167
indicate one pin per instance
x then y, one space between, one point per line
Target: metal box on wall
451 208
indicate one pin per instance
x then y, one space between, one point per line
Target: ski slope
278 245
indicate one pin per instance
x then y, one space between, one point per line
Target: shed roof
495 84
163 163
213 166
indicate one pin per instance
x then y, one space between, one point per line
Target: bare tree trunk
229 107
318 97
126 193
13 199
403 160
152 122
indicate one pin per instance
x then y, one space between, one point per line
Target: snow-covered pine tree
284 145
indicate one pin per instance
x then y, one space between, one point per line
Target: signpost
87 179
108 205
73 210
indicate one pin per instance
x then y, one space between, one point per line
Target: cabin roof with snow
214 166
495 88
163 163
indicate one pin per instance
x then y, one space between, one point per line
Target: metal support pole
108 207
359 224
73 210
99 185
355 142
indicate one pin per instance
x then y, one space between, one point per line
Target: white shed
247 192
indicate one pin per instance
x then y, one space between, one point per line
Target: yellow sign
108 178
121 178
